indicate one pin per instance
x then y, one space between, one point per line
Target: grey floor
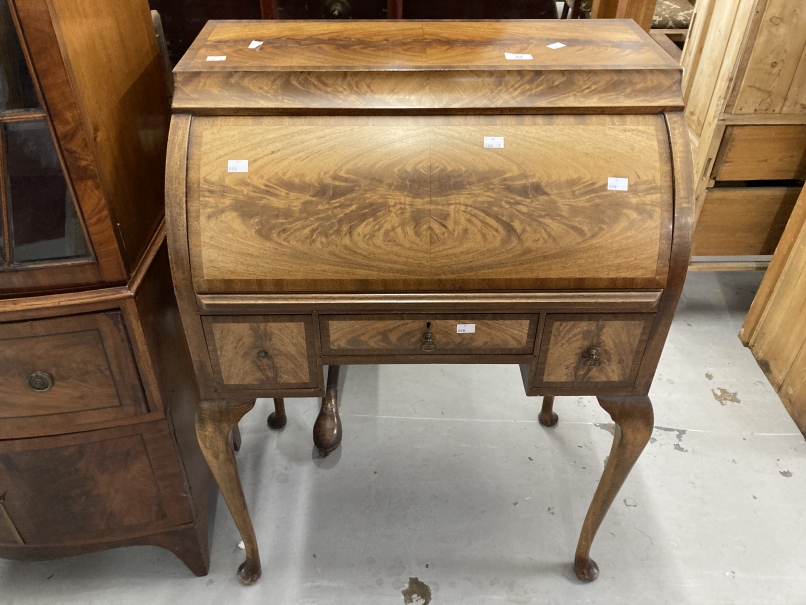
445 476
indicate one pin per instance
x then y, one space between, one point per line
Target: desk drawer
602 350
262 352
406 334
59 373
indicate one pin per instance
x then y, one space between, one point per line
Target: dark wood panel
124 103
91 486
566 357
269 352
72 140
404 334
88 360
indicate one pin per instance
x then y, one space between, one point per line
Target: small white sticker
241 545
465 328
493 142
616 184
238 166
556 45
217 58
517 57
256 44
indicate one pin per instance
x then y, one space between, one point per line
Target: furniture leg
634 420
547 416
327 428
277 418
236 438
564 14
575 10
215 421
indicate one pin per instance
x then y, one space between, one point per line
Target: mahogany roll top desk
427 192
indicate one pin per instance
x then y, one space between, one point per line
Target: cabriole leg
277 418
215 421
547 417
634 420
327 428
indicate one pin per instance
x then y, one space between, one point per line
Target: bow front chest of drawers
427 192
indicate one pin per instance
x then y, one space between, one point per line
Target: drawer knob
337 9
41 382
262 354
591 359
428 343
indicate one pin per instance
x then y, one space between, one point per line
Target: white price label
465 328
556 45
238 166
518 56
217 58
616 184
256 44
493 142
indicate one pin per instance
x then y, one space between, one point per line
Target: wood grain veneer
420 66
374 335
362 204
370 210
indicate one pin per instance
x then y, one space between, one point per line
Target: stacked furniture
427 192
774 328
97 392
745 89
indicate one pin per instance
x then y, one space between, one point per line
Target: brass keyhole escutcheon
41 382
262 354
591 359
427 344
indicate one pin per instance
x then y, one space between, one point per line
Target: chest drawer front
91 486
592 349
262 352
406 334
57 373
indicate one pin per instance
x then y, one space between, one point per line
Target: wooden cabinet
97 392
407 193
745 89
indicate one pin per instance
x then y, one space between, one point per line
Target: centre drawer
427 334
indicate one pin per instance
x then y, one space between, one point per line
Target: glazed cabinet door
43 240
90 486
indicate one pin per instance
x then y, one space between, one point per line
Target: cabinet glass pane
16 88
44 224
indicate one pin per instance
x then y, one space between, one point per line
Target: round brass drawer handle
591 359
428 343
41 382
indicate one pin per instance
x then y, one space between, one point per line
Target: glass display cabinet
97 393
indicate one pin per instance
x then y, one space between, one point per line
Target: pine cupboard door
91 487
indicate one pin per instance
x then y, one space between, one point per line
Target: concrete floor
446 476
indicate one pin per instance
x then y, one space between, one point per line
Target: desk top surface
424 45
266 66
